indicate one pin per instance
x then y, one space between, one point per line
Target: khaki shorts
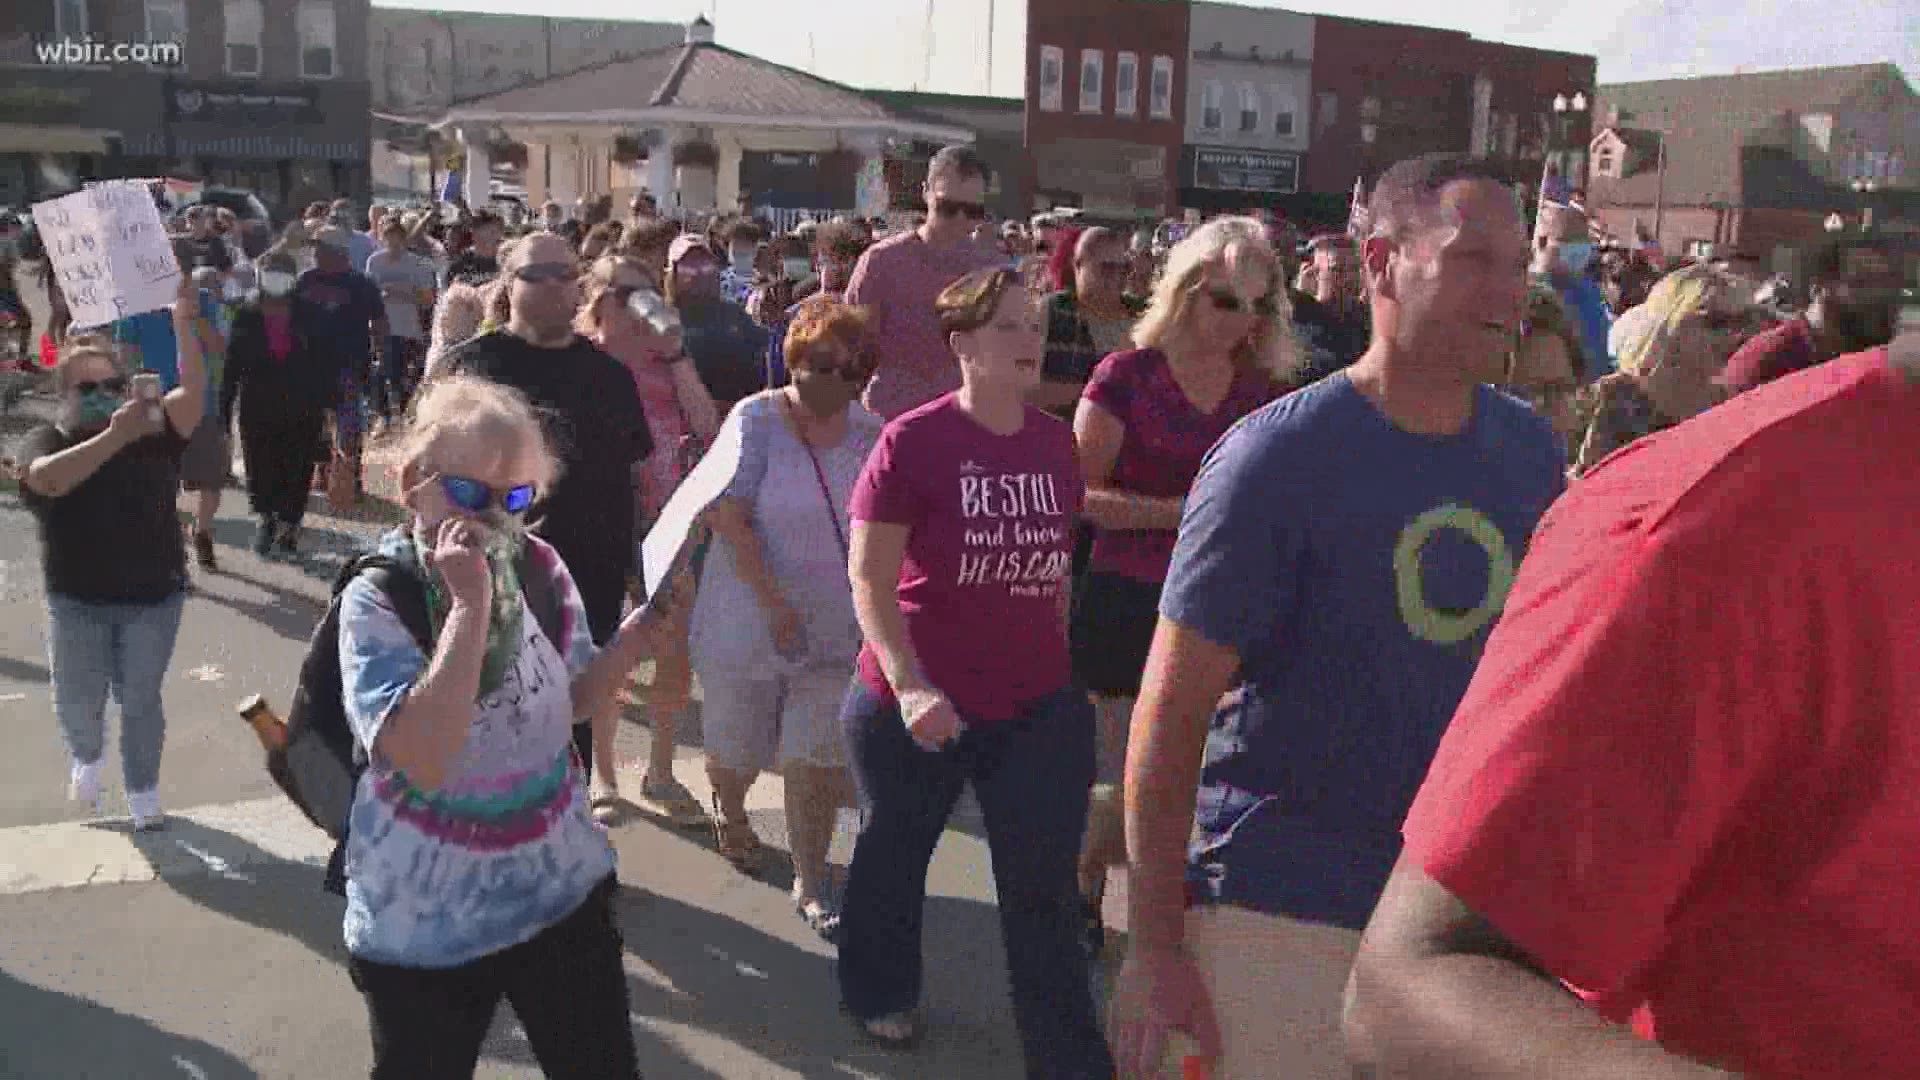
207 462
1278 987
760 724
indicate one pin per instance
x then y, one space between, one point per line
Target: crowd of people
1480 649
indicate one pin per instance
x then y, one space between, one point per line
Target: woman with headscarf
1694 320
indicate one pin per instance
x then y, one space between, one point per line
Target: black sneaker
263 540
289 539
203 550
1095 927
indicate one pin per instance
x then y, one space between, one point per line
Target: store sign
42 103
241 103
1243 170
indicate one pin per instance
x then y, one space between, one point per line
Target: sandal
895 1031
735 841
819 918
607 805
670 801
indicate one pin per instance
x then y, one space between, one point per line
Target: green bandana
509 605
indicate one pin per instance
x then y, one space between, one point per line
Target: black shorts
1111 631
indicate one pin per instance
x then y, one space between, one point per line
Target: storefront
62 127
1218 180
1107 177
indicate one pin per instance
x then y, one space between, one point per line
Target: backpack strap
402 587
536 584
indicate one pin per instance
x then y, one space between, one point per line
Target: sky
884 44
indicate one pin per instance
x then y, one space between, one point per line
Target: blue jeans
97 649
1032 776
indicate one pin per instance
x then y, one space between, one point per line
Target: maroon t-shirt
1166 439
1769 355
989 552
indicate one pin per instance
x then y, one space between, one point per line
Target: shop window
1092 64
245 24
1126 84
1212 107
1249 109
316 39
1052 75
1327 113
1160 90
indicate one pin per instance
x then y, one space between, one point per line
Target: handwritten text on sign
110 252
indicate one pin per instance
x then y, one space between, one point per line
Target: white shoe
145 807
83 785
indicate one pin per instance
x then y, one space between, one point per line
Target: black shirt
727 348
473 268
1332 339
114 539
594 421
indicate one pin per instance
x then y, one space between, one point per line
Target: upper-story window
1213 107
1126 84
1285 108
166 23
245 24
1160 89
70 18
1052 74
1249 109
1606 163
316 39
1092 85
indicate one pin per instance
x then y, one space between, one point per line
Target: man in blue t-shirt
1341 557
338 312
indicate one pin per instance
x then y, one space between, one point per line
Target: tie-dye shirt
506 848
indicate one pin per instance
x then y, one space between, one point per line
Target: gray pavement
208 950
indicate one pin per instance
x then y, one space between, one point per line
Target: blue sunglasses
476 497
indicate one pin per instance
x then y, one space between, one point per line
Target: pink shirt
898 279
1166 438
989 552
660 473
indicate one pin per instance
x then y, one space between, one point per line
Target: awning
35 139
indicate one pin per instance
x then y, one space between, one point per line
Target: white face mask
276 282
742 260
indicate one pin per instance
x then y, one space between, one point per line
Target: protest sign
110 252
669 544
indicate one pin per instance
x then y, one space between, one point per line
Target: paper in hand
669 544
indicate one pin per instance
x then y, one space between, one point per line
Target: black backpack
320 764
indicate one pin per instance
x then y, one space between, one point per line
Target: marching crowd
1486 655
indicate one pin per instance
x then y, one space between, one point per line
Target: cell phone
146 388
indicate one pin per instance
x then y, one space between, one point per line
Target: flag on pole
1357 225
450 190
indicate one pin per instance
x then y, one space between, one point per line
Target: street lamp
1863 188
1566 110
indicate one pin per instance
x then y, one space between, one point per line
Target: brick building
1106 103
1762 164
266 95
1383 92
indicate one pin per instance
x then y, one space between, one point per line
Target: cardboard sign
670 542
110 252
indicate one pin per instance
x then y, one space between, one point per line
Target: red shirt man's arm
1761 360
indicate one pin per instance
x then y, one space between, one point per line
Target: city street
208 950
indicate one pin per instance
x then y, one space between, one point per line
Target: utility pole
1660 185
926 76
990 7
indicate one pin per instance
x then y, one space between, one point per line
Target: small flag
450 190
1357 211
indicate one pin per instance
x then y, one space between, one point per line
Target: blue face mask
1575 255
97 408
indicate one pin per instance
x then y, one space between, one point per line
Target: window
1126 84
1284 108
1160 90
1699 249
1052 73
70 18
1895 166
245 24
1092 61
1212 103
1369 108
1369 133
316 39
1607 163
1249 108
1328 113
166 22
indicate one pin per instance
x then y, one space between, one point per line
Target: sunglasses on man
972 211
545 273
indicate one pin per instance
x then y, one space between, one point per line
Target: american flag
1357 211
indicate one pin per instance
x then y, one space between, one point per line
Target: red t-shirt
1783 350
1166 438
1683 777
989 552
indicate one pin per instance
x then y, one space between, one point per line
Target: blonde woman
463 312
1211 347
1694 320
680 417
473 871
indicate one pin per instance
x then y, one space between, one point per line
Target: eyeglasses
1230 302
116 385
972 211
543 273
475 497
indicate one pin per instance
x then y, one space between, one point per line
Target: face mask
97 408
797 268
277 282
1575 255
742 261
